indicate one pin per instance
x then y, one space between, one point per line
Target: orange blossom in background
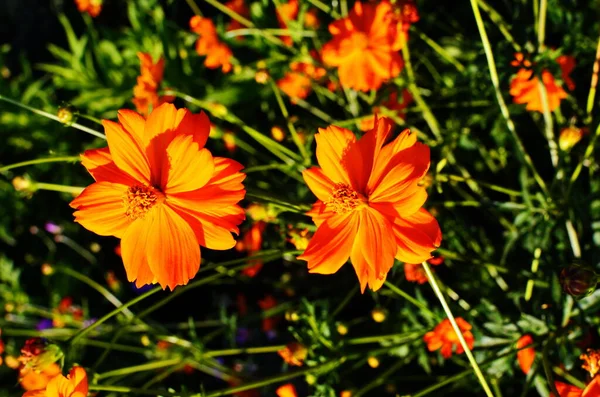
75 385
443 337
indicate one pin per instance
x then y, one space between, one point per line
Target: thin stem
500 23
194 7
409 298
124 389
40 161
275 32
407 336
53 117
440 50
139 368
585 159
593 85
380 379
457 330
56 188
503 108
248 350
110 315
548 125
573 239
548 367
458 178
542 25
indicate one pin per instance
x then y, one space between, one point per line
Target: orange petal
330 246
318 183
188 167
100 165
417 236
331 146
100 209
525 357
374 248
133 250
134 124
226 174
566 390
320 212
126 153
405 140
78 378
172 249
592 389
196 125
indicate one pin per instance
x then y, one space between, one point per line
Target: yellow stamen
140 199
591 361
344 199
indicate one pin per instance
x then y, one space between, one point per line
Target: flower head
74 385
92 7
160 191
569 137
240 8
365 189
294 353
32 379
591 361
145 93
287 390
365 46
297 82
525 355
208 44
443 337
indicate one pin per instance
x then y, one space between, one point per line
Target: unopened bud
277 134
47 269
373 362
292 316
22 184
67 114
342 329
378 315
578 280
569 137
311 379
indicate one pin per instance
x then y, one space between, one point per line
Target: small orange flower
160 191
444 337
32 379
287 12
75 385
287 390
524 87
240 8
390 104
268 323
591 361
525 357
92 7
311 19
570 136
145 93
252 243
208 44
365 46
369 204
294 353
414 272
566 390
408 13
297 82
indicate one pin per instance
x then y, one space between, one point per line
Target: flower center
344 199
360 41
140 199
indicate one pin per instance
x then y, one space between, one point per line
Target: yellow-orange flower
145 93
526 356
391 104
92 7
294 353
287 390
367 188
287 12
240 8
443 337
208 44
75 385
32 379
525 89
162 193
365 46
566 390
591 361
297 82
570 136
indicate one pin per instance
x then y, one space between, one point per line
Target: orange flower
524 87
296 83
526 357
407 10
444 337
311 19
366 189
240 8
566 390
414 272
208 44
365 46
160 191
287 390
75 385
294 353
268 323
390 104
92 7
570 136
252 243
31 379
285 13
145 93
591 361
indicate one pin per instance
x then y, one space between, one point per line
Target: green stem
275 32
440 50
500 23
124 389
248 350
547 366
542 25
194 7
57 188
295 137
586 157
52 117
110 315
265 198
593 85
140 368
572 380
457 330
409 298
458 178
503 108
573 239
398 338
40 161
379 379
548 125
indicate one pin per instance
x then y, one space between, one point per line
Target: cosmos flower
162 193
208 44
75 385
287 390
145 93
365 189
566 390
92 7
443 337
365 46
294 353
526 356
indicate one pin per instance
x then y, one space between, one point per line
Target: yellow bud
292 316
9 307
261 76
95 248
277 134
12 362
145 340
311 379
569 137
342 329
378 315
373 362
21 183
47 269
66 114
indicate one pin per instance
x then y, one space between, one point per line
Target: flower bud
47 269
373 362
261 76
342 329
378 315
569 137
578 280
22 184
67 114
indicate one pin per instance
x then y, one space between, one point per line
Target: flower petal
332 143
133 123
592 389
126 153
189 168
78 378
417 236
100 209
100 165
566 390
133 250
318 183
196 125
330 246
172 249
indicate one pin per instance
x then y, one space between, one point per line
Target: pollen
140 199
344 199
591 361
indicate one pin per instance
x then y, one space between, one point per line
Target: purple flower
53 228
242 335
44 324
